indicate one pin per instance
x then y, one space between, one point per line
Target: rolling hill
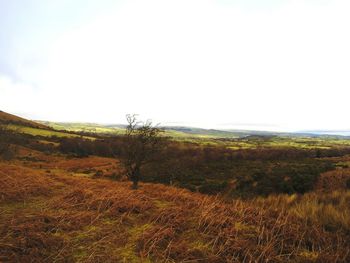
191 132
34 128
15 120
172 131
59 207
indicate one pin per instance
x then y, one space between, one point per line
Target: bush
347 183
82 147
6 150
213 187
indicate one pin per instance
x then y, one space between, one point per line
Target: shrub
348 183
6 150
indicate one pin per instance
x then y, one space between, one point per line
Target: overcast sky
273 64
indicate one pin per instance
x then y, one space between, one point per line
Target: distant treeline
113 146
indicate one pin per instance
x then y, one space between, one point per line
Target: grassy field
10 118
60 202
85 127
253 142
44 132
52 209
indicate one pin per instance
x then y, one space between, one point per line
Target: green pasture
42 132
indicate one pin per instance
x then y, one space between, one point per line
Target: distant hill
85 127
214 133
173 131
13 119
329 132
183 131
21 125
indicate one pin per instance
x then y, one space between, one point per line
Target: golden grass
46 214
20 183
333 180
88 165
329 210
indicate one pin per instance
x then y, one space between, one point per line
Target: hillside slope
51 211
21 125
13 119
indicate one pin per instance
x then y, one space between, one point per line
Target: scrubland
50 212
66 200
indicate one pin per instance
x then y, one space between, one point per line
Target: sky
279 65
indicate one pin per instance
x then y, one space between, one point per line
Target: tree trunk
135 178
134 185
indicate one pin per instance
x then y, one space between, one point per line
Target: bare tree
143 145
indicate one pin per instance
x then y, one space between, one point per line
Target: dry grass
333 180
48 215
20 183
331 210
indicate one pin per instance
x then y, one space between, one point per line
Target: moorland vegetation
67 199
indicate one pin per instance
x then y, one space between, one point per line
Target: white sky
276 65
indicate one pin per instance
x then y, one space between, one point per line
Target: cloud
203 62
16 97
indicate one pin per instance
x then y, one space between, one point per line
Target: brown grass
20 183
333 180
48 214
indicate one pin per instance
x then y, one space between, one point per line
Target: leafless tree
143 144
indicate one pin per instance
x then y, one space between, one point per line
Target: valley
279 199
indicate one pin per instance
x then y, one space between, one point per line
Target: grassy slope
84 127
7 117
50 211
22 125
39 131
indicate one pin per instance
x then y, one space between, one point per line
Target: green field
228 139
171 132
84 127
43 132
